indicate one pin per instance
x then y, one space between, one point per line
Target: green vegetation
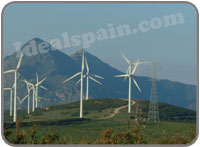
61 124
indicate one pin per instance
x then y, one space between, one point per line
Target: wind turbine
89 76
15 83
10 89
33 95
36 88
34 92
29 86
81 80
130 74
11 95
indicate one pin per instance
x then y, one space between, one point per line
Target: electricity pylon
153 114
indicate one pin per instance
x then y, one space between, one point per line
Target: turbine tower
36 88
10 89
33 100
153 114
130 74
81 80
15 83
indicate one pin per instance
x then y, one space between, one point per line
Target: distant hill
101 108
58 66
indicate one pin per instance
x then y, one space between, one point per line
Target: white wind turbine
89 76
81 80
15 84
33 95
29 86
10 89
130 74
36 87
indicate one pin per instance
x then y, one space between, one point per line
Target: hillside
63 121
96 109
58 66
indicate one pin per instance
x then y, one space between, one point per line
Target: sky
174 47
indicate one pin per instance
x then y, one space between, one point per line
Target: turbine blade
27 83
126 59
24 80
128 70
23 99
42 98
95 80
18 75
97 76
18 99
144 62
72 77
78 81
136 64
9 71
41 81
87 65
43 87
126 75
7 88
136 85
13 85
20 60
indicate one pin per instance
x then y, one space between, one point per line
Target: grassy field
92 130
63 120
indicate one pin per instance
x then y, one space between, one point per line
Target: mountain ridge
59 66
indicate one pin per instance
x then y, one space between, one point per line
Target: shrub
50 139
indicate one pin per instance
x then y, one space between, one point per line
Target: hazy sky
174 48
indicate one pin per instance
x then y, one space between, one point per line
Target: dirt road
117 110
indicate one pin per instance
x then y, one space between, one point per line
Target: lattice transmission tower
153 114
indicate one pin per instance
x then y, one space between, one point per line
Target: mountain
54 64
174 93
58 66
